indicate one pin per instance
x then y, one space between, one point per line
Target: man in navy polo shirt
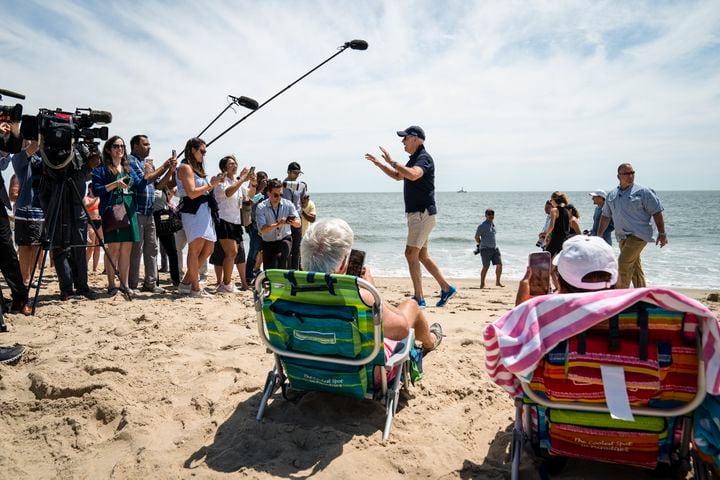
418 176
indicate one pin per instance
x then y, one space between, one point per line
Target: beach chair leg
517 441
391 403
271 384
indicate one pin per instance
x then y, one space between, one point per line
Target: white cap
581 255
598 193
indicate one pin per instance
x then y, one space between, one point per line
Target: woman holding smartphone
194 189
229 195
112 183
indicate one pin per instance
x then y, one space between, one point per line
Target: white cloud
513 95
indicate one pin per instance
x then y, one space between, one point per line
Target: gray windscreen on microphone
248 102
357 44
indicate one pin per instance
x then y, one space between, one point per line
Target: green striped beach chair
324 338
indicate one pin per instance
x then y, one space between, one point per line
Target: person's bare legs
27 254
433 269
498 272
483 274
415 319
218 274
241 271
192 275
229 246
114 253
412 255
205 253
124 264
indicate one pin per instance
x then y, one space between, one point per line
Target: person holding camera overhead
294 190
230 193
275 216
196 208
112 182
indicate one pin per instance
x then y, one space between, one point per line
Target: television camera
66 137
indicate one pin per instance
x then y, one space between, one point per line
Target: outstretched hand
372 159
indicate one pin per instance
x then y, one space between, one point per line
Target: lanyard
276 213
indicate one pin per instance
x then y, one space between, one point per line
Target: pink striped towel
516 342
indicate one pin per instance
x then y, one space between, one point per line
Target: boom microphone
357 44
10 93
100 116
247 102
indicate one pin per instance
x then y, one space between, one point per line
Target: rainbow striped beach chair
612 376
325 338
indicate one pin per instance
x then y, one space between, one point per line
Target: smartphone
251 171
355 262
539 263
290 218
174 153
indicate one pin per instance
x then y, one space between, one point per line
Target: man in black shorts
487 247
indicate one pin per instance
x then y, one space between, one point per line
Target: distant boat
462 190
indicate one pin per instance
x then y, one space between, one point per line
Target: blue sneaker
445 296
421 303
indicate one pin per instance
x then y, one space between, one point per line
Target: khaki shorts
420 224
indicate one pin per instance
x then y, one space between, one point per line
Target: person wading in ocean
418 176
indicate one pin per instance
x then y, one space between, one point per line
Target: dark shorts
228 231
97 223
490 255
28 226
218 255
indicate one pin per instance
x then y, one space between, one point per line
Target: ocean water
691 259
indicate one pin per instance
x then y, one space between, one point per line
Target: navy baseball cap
412 130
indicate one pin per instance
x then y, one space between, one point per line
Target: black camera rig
65 137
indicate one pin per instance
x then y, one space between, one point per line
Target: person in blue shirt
487 247
598 198
275 217
418 176
633 208
147 246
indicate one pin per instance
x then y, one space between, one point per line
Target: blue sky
512 95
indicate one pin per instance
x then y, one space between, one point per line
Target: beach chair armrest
399 357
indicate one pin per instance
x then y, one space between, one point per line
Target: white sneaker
184 288
222 288
202 293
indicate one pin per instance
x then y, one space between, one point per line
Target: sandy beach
168 386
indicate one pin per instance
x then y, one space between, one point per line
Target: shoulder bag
115 216
167 220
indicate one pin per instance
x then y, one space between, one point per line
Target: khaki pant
629 266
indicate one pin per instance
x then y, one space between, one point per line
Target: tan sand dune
168 387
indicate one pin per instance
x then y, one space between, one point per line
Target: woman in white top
229 195
194 190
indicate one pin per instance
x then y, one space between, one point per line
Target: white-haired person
585 264
326 247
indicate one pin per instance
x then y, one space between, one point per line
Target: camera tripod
56 215
3 326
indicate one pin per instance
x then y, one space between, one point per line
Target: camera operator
71 223
9 264
28 214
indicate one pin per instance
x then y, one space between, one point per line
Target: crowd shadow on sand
295 439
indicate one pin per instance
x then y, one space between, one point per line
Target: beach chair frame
520 439
277 379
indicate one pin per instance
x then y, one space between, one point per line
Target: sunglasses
627 173
117 146
202 151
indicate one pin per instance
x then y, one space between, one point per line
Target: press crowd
238 220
